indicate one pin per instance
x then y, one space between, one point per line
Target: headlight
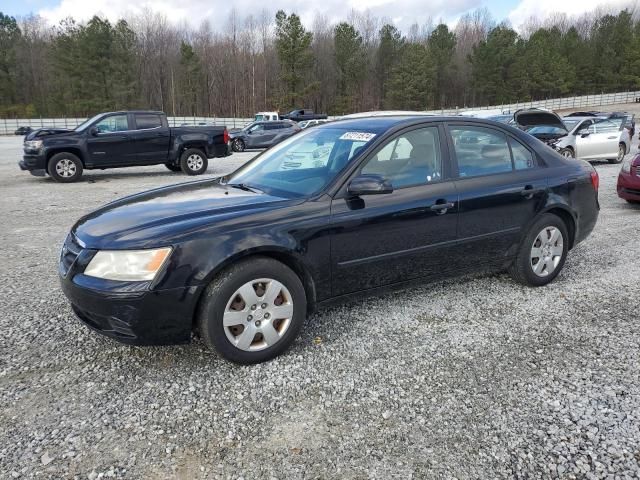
127 265
33 144
626 166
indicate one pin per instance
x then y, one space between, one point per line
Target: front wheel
253 311
567 153
193 161
238 145
65 167
622 151
542 253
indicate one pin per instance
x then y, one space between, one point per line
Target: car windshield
547 129
571 124
303 164
86 123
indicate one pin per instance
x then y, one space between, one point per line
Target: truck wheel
238 145
65 167
173 167
193 162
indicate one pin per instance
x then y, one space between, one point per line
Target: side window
412 158
146 120
607 126
522 156
113 123
480 151
256 128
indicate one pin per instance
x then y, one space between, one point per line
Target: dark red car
629 180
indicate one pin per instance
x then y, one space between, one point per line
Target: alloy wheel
547 251
258 314
621 153
194 162
238 145
66 168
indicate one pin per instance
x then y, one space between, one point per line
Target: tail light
595 180
225 136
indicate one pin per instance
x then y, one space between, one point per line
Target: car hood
161 216
47 132
531 117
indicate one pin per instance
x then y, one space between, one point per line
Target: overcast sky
402 12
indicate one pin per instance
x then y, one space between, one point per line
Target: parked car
588 138
122 139
22 130
310 123
242 259
266 117
588 113
629 180
262 134
303 114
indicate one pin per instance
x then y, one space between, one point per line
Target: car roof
381 124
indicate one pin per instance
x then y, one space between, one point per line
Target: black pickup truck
303 114
122 139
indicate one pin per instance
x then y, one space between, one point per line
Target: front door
600 142
501 188
111 144
389 238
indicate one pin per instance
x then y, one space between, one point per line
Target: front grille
638 171
70 251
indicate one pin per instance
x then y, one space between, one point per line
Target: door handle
529 191
441 207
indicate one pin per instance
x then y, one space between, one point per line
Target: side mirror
369 185
93 131
584 132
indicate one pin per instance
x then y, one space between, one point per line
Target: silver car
596 138
588 138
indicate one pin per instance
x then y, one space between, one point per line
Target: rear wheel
253 311
542 253
567 153
65 167
193 161
622 151
238 145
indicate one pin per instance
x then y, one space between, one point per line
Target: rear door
152 138
501 188
410 233
112 144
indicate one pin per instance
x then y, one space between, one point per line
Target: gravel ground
479 378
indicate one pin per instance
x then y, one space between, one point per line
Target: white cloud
403 12
544 8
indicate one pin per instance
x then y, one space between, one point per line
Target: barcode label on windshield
358 136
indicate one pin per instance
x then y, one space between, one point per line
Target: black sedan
352 207
262 134
23 131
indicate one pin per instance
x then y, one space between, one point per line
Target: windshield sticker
358 136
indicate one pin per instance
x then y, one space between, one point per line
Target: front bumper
130 312
34 162
629 185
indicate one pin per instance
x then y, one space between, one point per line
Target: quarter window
412 158
113 123
480 151
522 156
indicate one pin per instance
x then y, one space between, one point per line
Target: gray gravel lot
479 378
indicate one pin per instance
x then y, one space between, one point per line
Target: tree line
270 62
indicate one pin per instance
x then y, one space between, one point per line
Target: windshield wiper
245 187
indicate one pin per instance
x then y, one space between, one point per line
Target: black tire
219 293
173 167
567 152
622 151
238 145
192 166
65 167
522 268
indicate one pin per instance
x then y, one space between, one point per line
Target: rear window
147 120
